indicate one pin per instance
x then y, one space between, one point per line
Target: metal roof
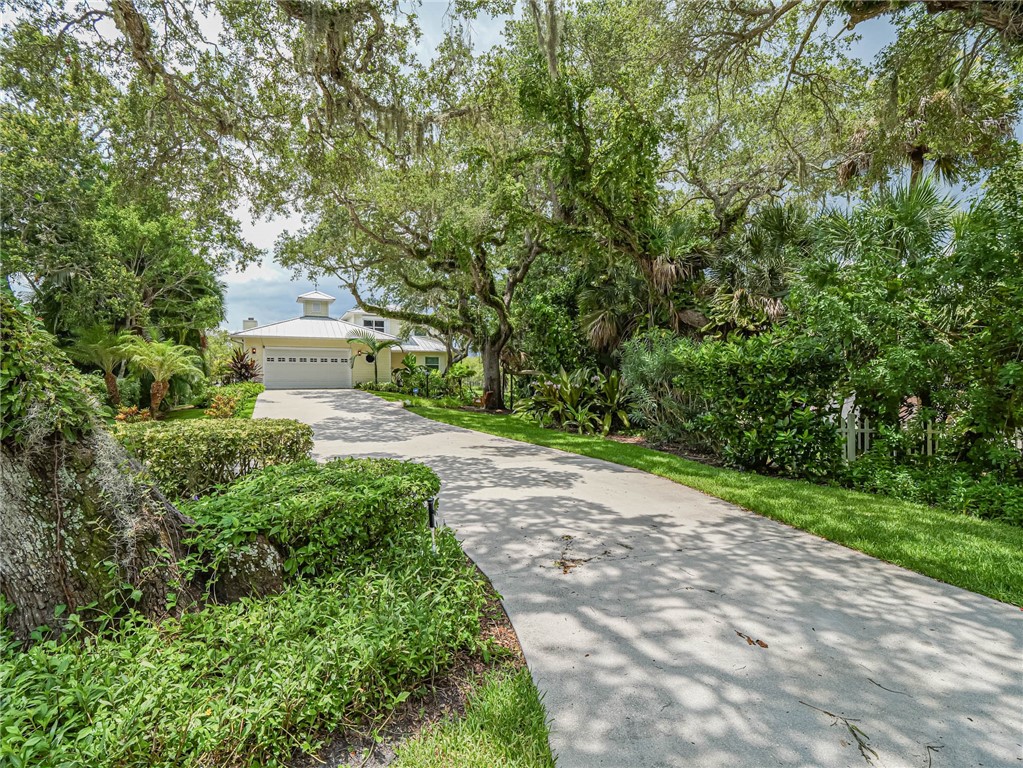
310 328
422 344
316 296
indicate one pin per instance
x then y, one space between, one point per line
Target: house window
316 308
433 363
376 325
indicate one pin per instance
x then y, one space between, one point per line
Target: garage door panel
286 368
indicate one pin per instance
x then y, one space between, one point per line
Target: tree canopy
661 158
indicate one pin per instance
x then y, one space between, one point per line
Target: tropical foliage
584 401
162 361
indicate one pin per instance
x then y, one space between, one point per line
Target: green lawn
189 412
244 411
504 724
983 556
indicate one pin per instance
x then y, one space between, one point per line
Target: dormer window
376 325
315 308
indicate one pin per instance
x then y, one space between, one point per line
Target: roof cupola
315 304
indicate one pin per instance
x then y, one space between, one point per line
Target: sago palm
162 360
96 346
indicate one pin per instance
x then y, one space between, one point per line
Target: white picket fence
858 434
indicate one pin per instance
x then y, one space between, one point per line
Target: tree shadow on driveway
669 628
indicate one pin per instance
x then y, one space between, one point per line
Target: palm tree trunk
157 392
916 165
112 391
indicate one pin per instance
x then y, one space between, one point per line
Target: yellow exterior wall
421 359
362 372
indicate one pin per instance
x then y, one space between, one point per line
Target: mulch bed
478 409
440 698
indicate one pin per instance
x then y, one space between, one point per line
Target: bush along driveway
666 627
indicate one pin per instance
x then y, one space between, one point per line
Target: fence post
850 435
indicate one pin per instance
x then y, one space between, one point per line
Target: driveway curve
668 628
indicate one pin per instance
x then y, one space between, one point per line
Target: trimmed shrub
191 457
769 401
245 390
761 403
320 517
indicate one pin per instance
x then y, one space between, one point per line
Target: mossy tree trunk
81 530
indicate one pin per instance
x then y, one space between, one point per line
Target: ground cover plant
583 401
249 683
984 556
191 457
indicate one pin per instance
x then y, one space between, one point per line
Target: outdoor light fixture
432 510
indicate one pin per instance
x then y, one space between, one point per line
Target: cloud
268 291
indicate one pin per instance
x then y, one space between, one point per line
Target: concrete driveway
668 628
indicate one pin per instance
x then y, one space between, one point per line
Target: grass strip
183 414
504 725
245 409
983 556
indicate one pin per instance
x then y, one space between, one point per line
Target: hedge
321 517
190 458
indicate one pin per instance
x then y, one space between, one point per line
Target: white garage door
306 368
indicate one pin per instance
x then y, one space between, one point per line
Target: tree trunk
112 392
916 165
77 527
81 530
157 392
493 392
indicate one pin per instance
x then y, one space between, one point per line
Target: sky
268 292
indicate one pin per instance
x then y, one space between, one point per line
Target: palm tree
96 346
749 276
375 346
162 360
